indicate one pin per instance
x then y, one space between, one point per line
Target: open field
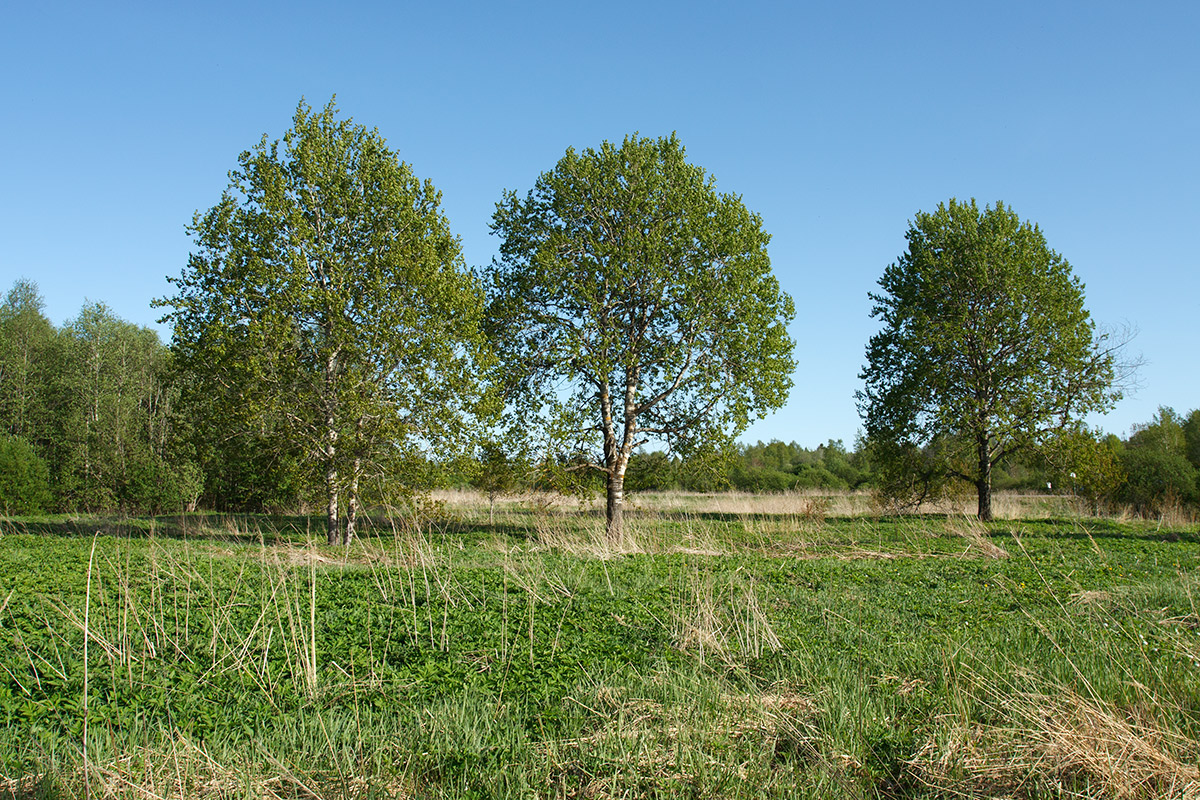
732 646
802 503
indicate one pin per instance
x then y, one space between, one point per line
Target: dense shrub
1156 479
651 472
24 478
760 479
815 476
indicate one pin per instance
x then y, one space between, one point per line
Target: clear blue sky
835 121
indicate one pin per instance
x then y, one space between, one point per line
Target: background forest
96 419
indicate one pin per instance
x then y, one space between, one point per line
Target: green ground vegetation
472 651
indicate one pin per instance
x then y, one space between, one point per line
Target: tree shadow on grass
236 528
310 528
1093 528
268 529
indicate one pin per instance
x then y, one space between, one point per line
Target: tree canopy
327 302
632 302
986 350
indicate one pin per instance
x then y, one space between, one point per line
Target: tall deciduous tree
328 302
986 350
115 422
26 340
633 302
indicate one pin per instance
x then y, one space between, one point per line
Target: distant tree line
1156 469
94 417
1159 464
89 417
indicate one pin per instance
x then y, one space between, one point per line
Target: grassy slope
717 655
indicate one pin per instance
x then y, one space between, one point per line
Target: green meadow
757 647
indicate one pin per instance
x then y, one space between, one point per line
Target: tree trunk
333 533
614 512
984 484
352 503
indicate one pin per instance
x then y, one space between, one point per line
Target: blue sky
836 122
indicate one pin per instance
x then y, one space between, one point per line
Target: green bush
1156 478
24 478
650 472
810 476
760 479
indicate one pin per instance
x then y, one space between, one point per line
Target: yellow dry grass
799 504
1064 742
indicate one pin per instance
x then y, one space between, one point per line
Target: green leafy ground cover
714 655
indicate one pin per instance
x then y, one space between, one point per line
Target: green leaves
986 348
633 302
327 302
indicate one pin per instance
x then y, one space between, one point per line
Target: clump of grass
1061 742
678 733
976 536
582 537
723 621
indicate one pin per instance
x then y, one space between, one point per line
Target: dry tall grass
976 536
1061 743
803 503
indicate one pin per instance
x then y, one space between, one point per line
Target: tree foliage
1159 474
632 302
27 364
94 404
117 429
326 304
986 351
24 478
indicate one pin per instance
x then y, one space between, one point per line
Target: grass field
732 646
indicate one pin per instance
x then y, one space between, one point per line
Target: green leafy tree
1086 465
1157 480
27 341
498 473
1191 437
116 419
633 303
654 471
1158 473
327 303
1165 432
986 351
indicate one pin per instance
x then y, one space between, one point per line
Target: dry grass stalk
1174 514
806 505
976 536
1092 597
643 738
1076 746
183 770
584 538
725 622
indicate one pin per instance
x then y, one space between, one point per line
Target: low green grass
711 654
